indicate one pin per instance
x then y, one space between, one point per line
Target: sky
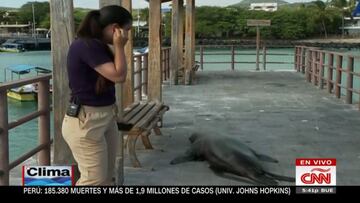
136 3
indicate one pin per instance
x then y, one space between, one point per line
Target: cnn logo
315 172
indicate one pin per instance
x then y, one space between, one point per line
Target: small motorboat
26 92
12 48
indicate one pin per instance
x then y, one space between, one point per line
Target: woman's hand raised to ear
120 37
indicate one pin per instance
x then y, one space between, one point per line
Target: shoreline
251 43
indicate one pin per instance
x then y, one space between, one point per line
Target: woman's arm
116 71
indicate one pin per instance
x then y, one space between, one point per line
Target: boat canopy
25 69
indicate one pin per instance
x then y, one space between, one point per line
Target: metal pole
232 57
34 25
264 57
138 27
343 24
202 57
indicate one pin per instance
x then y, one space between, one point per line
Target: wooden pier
231 105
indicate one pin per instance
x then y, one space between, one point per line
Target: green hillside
246 3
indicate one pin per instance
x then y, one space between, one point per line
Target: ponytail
91 27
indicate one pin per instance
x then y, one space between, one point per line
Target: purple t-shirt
83 56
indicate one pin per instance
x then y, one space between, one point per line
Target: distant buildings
14 29
264 7
351 26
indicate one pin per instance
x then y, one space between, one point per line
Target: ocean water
246 55
25 137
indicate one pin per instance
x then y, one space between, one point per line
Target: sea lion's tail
280 177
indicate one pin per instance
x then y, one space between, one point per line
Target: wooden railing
43 113
140 73
326 68
232 52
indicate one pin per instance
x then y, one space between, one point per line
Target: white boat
141 51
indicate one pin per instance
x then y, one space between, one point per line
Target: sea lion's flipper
280 177
188 156
264 157
182 159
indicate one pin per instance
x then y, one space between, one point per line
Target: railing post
350 78
145 74
232 57
330 74
137 78
339 59
296 65
202 57
302 63
168 61
321 72
257 48
163 69
307 65
313 67
264 57
4 140
44 122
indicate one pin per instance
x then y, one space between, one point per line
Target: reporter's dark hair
95 21
92 28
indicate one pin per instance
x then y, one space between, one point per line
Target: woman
93 70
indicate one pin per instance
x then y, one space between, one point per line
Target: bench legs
131 143
145 140
132 137
157 131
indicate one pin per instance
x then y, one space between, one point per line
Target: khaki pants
93 138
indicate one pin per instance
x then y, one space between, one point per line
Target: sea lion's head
195 136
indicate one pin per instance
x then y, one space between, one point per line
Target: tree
320 14
25 14
339 3
79 15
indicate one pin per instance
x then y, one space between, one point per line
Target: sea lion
229 155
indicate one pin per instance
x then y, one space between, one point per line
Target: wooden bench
145 117
181 71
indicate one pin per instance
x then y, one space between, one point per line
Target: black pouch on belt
73 108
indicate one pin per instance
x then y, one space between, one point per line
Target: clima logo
47 176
